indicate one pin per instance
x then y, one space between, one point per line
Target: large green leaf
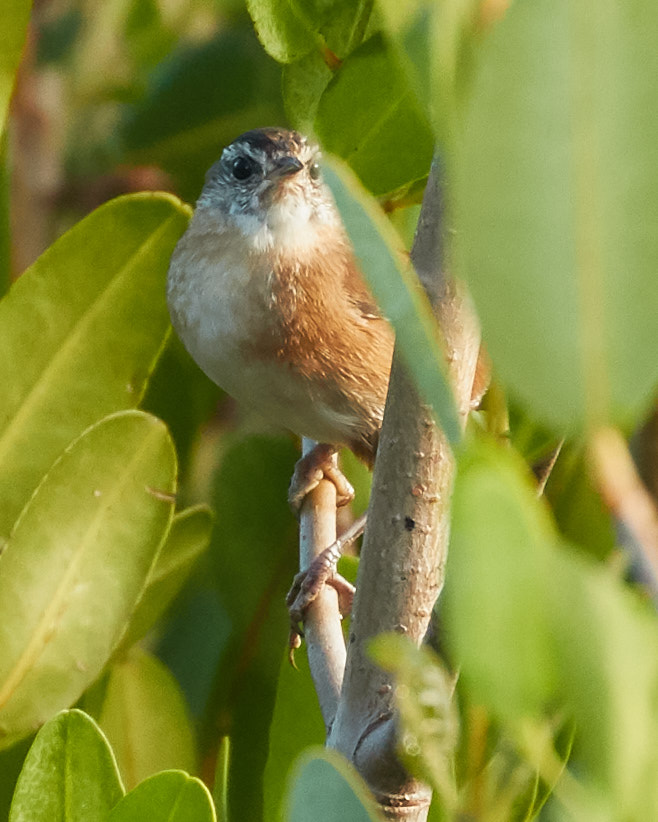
76 564
556 191
324 788
186 541
169 796
80 332
396 289
69 774
15 16
145 718
369 123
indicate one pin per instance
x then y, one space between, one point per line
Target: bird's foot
310 470
307 584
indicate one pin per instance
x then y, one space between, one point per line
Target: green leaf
170 796
15 16
282 29
290 29
608 667
423 696
69 774
296 724
145 718
302 85
369 123
556 191
397 291
77 562
84 326
186 541
496 602
325 788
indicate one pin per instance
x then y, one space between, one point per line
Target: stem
405 545
322 622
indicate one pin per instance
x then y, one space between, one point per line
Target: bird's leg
307 584
313 467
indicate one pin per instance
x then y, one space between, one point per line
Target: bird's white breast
220 296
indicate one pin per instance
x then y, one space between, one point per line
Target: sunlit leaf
69 774
80 332
76 563
369 124
169 796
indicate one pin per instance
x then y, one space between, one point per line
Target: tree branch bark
404 550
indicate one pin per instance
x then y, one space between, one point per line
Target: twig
404 550
322 622
628 500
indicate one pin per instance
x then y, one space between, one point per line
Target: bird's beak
287 166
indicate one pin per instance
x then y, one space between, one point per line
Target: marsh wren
266 295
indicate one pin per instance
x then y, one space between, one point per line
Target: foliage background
549 139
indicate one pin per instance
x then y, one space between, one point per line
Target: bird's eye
242 168
314 171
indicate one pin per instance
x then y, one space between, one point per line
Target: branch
325 645
404 550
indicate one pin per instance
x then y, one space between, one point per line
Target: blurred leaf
296 724
187 539
556 194
369 124
397 291
199 100
145 718
69 774
15 17
411 30
84 326
325 788
500 542
148 39
76 564
423 696
282 29
608 657
169 796
290 29
302 85
255 556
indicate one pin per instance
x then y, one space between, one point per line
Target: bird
265 293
